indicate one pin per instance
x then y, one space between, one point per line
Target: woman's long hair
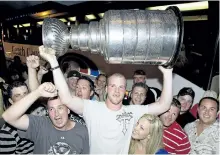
156 134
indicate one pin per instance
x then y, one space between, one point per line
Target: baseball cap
187 91
139 72
210 93
73 73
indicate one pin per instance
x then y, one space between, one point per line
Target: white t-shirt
110 131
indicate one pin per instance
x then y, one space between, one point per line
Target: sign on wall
21 50
87 66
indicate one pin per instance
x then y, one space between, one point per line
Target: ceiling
11 8
24 4
16 12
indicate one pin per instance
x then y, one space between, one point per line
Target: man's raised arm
165 100
32 62
73 103
15 114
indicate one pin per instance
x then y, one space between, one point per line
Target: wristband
54 68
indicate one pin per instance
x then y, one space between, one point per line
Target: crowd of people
68 113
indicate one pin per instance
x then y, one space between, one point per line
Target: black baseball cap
139 72
73 73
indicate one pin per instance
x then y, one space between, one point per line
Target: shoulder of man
80 125
93 103
9 129
81 129
8 141
10 134
154 88
178 131
155 91
76 118
190 126
36 120
217 123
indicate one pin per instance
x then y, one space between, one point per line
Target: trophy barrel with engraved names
122 36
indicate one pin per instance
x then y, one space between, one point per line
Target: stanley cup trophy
122 36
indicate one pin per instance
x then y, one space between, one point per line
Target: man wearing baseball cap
72 78
185 96
153 93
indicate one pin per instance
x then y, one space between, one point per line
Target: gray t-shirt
49 140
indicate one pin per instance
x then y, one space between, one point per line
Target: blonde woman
147 136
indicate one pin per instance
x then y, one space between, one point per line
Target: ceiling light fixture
63 20
90 17
184 6
26 25
40 23
43 14
72 19
101 15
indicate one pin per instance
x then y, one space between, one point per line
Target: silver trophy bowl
123 36
55 35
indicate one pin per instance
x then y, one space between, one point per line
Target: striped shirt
175 140
11 143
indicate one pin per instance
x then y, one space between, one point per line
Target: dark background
200 37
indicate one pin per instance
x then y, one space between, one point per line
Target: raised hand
42 70
47 53
33 61
47 89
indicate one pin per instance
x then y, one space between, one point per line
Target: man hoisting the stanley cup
103 120
109 123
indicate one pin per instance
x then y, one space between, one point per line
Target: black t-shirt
151 96
185 118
